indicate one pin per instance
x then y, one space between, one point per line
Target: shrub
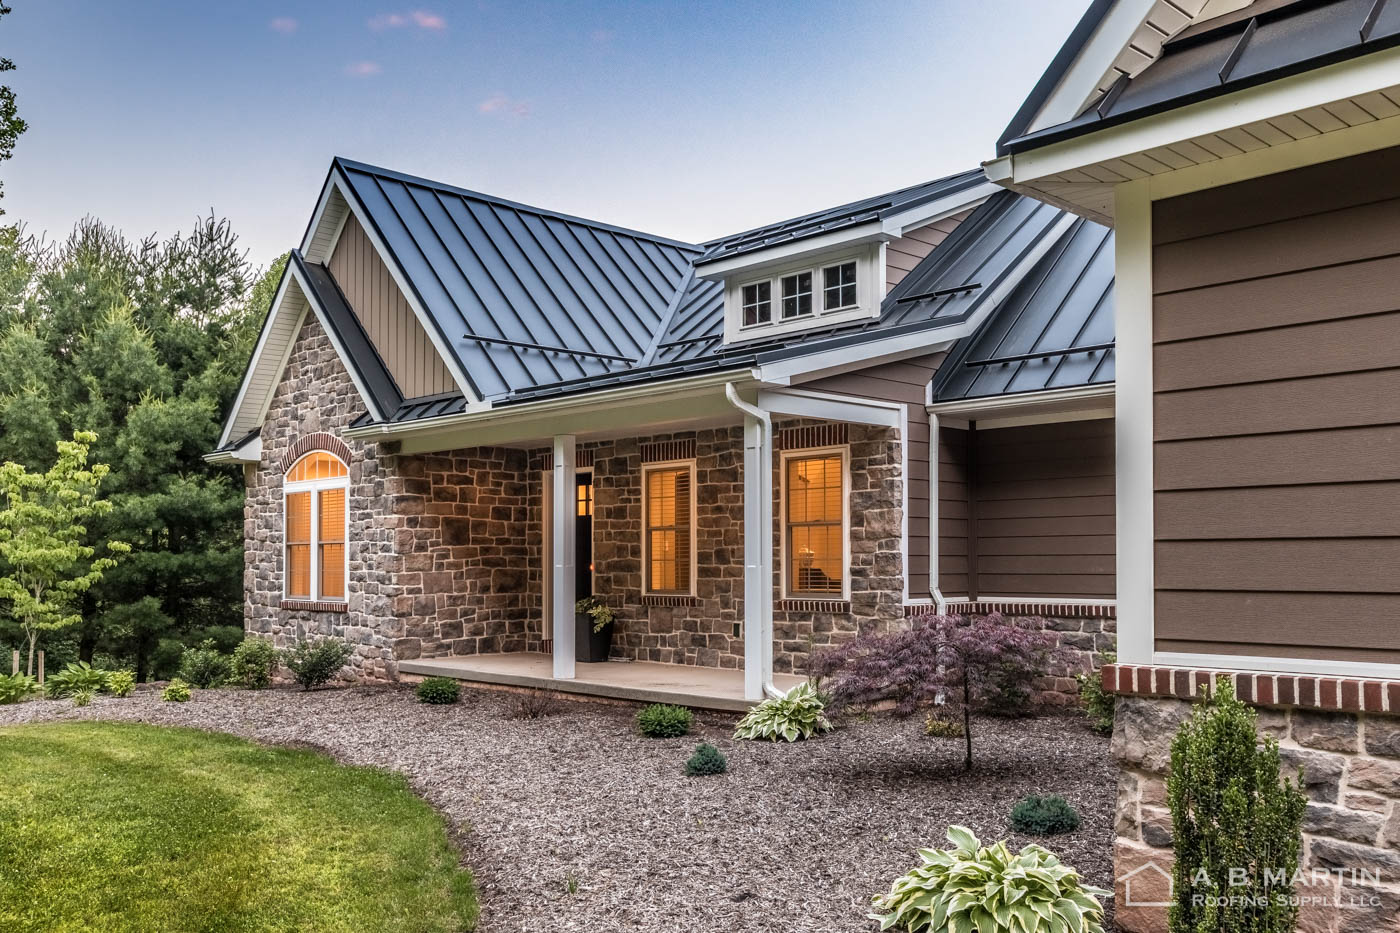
963 665
83 696
177 691
204 666
706 760
1231 813
121 683
940 728
986 888
254 661
439 690
663 721
1098 702
76 676
1043 816
313 663
535 704
16 687
797 714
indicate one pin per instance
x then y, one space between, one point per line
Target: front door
583 537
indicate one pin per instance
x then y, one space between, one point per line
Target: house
463 414
1247 157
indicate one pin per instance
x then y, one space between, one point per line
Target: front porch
639 681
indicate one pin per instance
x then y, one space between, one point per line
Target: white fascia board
449 359
251 452
259 349
896 225
1048 399
801 403
1081 81
795 249
1305 666
1279 98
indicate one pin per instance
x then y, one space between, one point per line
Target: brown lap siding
1276 323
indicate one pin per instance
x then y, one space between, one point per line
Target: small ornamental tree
1236 828
961 664
43 522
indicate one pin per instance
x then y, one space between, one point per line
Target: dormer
834 266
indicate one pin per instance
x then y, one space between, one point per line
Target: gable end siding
386 315
906 252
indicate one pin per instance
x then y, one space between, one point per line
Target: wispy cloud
502 105
363 69
283 24
423 19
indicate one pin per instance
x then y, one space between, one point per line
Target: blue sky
683 119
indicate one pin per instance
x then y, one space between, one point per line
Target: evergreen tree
11 126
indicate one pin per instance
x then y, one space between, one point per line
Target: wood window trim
314 599
815 453
668 466
869 261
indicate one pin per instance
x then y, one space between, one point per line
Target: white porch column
564 526
758 558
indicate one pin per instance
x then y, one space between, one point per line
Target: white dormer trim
870 289
333 208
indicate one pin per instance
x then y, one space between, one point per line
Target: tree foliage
143 344
11 126
43 526
1236 828
963 664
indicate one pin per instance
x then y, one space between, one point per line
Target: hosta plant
16 687
79 675
121 683
797 714
83 696
177 691
988 889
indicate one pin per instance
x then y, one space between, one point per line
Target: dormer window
797 295
816 291
758 303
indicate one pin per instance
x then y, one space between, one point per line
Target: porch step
637 681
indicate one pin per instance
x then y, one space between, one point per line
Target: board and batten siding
1276 348
906 252
386 316
905 382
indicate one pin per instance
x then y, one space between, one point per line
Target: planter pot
590 647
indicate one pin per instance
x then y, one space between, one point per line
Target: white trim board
1243 662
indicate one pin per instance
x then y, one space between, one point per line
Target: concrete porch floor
642 681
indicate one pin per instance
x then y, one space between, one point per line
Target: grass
116 827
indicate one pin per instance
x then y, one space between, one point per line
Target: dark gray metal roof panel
1061 307
1241 51
877 207
350 334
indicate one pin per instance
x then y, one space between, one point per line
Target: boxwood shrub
663 721
439 691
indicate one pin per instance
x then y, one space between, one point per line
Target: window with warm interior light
315 526
669 536
814 525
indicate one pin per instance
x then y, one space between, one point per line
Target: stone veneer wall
1084 633
316 396
1351 775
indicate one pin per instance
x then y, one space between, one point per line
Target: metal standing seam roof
1054 331
837 218
1258 44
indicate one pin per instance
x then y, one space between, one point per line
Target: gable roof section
522 297
1054 331
1264 42
306 287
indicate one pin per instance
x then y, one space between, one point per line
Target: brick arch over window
317 441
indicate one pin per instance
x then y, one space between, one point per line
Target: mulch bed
577 823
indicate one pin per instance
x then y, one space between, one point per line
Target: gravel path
576 823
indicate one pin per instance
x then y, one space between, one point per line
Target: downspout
765 555
939 602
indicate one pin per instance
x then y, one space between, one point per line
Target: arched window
314 527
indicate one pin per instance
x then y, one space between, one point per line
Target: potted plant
593 626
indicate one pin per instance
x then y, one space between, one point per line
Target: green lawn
114 827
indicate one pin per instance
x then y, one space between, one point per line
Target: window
758 303
814 519
839 286
669 542
315 527
797 295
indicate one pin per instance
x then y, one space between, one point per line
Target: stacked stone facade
1351 830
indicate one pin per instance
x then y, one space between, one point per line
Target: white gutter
758 557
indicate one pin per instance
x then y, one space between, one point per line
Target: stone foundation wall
1351 775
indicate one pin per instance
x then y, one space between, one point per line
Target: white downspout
938 601
758 554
